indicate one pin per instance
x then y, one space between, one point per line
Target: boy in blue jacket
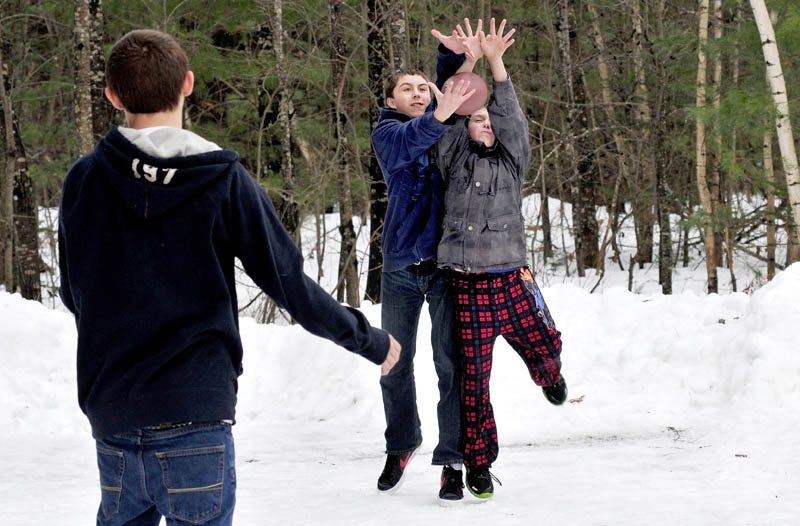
149 226
403 141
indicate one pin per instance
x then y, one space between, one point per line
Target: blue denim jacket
403 145
483 225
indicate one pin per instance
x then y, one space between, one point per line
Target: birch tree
783 124
701 154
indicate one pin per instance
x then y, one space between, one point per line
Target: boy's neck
138 121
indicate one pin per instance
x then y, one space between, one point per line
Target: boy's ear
113 99
390 102
188 84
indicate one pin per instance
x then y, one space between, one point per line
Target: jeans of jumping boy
488 306
403 294
185 474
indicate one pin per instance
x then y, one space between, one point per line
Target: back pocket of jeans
111 465
193 480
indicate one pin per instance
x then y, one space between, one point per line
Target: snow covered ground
684 410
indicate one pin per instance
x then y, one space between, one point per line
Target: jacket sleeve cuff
379 348
431 123
503 96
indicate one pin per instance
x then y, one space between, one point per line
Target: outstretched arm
509 123
275 264
494 45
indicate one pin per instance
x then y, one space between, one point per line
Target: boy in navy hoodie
403 141
149 226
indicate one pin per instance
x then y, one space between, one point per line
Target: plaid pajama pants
487 306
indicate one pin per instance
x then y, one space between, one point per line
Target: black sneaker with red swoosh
393 472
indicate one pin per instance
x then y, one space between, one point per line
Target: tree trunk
666 261
290 214
579 156
83 78
26 265
102 111
781 100
643 215
386 51
621 151
715 175
547 235
702 183
348 263
769 170
7 182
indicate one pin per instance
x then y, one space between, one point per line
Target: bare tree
769 171
290 213
643 215
386 52
780 98
579 156
623 173
102 111
348 263
25 264
7 180
702 156
83 77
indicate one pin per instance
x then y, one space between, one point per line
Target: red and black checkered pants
488 306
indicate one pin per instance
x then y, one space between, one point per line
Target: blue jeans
403 294
185 474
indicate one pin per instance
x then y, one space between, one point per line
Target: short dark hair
390 82
146 69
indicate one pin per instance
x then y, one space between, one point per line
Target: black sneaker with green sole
479 482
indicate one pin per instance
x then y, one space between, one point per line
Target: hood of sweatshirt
153 173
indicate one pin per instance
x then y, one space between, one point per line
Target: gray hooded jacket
483 225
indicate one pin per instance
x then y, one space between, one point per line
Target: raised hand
449 101
451 41
471 41
495 43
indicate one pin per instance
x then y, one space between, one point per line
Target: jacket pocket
453 224
503 242
505 223
193 480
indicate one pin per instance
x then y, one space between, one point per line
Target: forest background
644 109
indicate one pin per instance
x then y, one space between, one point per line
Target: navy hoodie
146 250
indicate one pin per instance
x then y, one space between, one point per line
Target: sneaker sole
394 489
480 495
449 503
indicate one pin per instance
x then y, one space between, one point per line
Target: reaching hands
478 44
392 357
460 42
449 101
495 43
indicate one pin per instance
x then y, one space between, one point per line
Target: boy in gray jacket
483 162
